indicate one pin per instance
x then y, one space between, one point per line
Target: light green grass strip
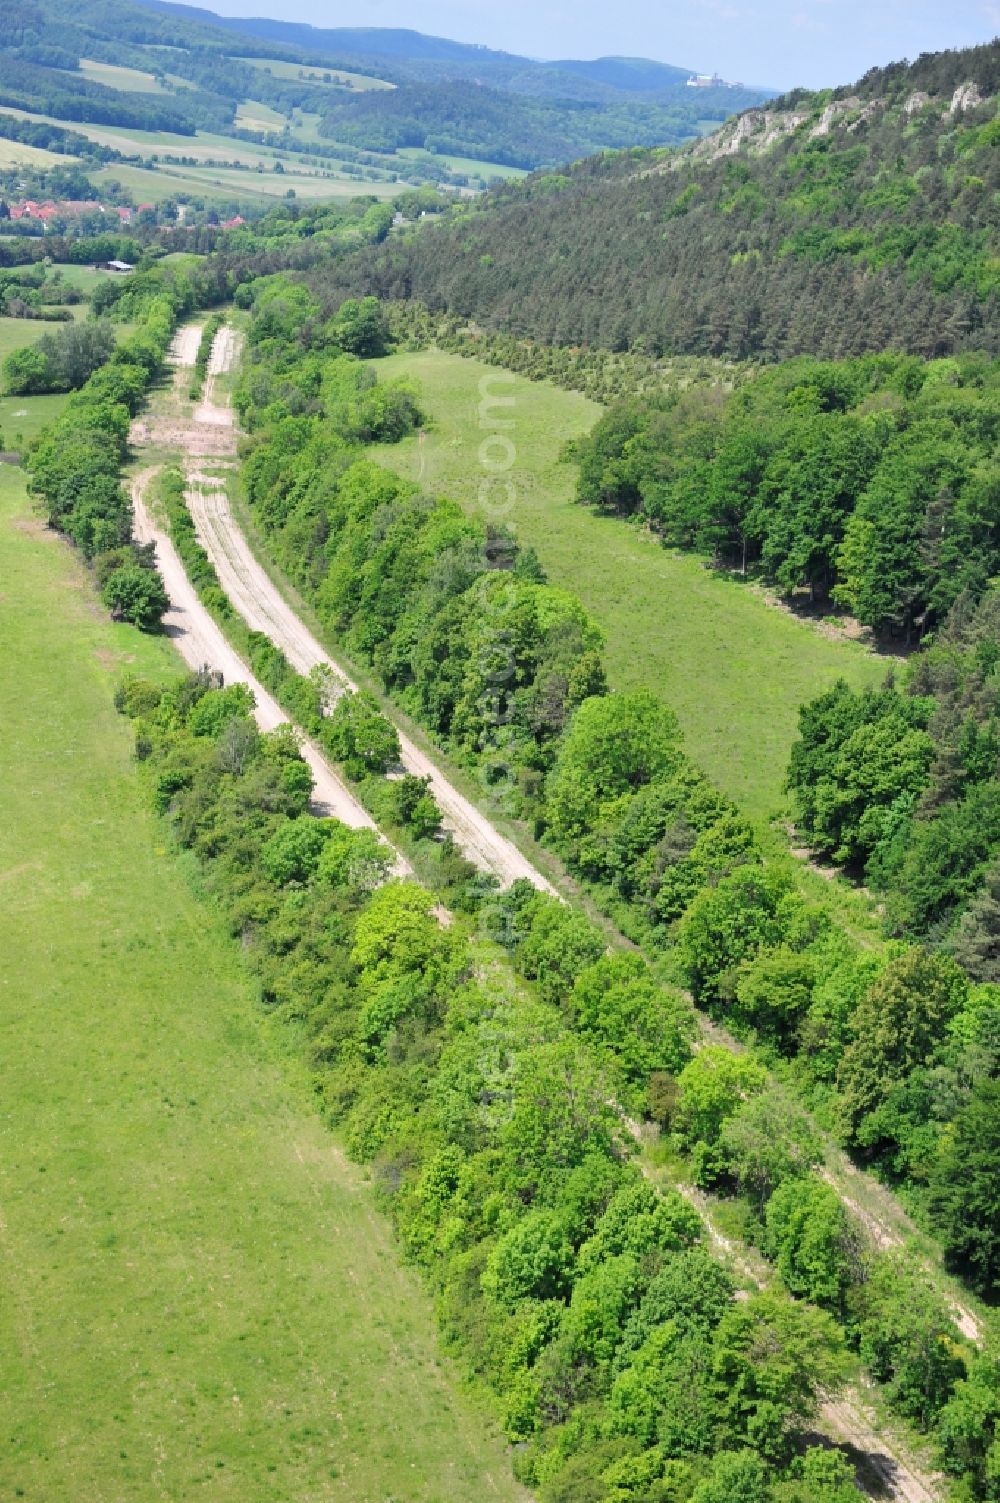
199 1298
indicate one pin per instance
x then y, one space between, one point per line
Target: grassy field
252 115
15 333
199 1298
129 80
19 154
23 418
333 77
470 165
85 278
734 668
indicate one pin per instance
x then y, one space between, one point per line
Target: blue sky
779 42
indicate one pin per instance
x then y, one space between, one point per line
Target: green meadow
332 77
200 1299
734 668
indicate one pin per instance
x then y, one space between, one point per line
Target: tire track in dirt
201 642
265 609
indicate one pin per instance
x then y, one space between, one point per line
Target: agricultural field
333 77
734 668
129 80
252 115
229 186
202 1300
19 154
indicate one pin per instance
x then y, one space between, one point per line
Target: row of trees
75 466
622 1363
506 671
871 481
61 361
604 375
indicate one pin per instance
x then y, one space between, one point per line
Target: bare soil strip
200 642
880 1469
197 637
265 609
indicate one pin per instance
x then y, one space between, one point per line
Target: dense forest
873 482
829 224
903 787
520 130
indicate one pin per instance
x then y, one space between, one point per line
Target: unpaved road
200 641
265 609
184 346
880 1470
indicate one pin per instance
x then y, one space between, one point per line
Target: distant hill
854 219
633 74
411 51
160 66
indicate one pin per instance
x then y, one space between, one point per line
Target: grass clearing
472 166
19 154
252 115
128 80
337 78
733 668
15 333
23 418
83 278
201 1300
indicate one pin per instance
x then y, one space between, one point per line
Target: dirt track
264 608
880 1470
200 641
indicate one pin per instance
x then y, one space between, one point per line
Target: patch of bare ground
880 1468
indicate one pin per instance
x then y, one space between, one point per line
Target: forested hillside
832 223
521 130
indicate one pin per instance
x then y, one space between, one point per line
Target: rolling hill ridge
830 223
